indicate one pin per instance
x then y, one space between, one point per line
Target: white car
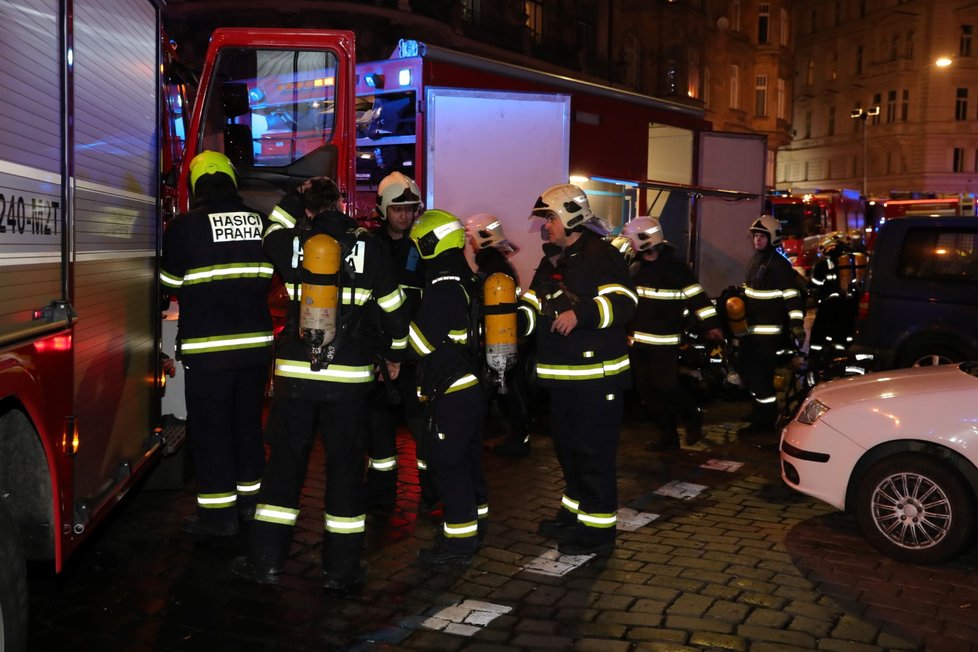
898 449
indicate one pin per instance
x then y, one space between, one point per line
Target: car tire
915 509
929 355
13 585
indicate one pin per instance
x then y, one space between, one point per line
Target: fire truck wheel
13 585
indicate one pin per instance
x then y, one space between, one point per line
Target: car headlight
812 411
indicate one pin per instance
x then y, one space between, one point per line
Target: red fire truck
881 210
806 217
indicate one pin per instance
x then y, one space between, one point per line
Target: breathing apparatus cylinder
737 316
319 306
499 298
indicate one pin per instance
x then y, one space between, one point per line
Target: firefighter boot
588 542
212 524
345 583
449 552
560 528
694 426
254 572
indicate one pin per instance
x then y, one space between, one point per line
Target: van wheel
13 586
928 355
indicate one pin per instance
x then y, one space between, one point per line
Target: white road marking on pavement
630 520
721 465
465 618
555 564
681 490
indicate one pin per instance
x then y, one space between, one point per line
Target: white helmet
486 230
397 189
770 227
567 202
644 233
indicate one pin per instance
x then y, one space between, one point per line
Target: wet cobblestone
746 565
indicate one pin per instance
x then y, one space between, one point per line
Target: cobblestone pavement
734 560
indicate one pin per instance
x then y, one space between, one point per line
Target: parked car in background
897 449
920 301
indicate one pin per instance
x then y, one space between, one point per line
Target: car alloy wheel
915 508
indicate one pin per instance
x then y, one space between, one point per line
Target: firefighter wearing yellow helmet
441 338
773 299
578 306
324 369
213 264
666 289
491 250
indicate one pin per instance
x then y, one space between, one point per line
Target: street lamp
863 114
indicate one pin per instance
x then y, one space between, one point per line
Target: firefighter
455 403
398 206
835 309
491 250
324 367
667 289
578 304
774 304
214 265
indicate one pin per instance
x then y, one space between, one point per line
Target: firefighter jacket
214 264
440 334
590 278
772 296
409 268
667 289
825 275
365 278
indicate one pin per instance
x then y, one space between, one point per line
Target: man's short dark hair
322 195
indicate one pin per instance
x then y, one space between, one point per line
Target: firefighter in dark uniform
491 251
666 289
398 206
214 264
774 304
322 385
835 307
455 402
578 304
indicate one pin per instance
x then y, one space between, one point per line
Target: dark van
920 304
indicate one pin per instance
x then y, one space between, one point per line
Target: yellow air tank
737 316
319 307
499 297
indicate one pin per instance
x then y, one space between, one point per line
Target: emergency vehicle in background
80 157
879 210
481 135
808 216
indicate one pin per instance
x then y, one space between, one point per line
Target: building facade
886 97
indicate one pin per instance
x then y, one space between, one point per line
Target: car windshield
970 368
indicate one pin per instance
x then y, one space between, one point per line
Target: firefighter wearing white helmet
491 251
578 306
666 289
439 337
214 265
391 400
773 299
322 382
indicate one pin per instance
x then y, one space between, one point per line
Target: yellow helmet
437 231
210 162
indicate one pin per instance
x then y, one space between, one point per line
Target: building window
957 164
587 18
785 28
534 18
810 73
812 21
909 46
735 16
856 111
782 109
859 59
905 105
763 22
760 96
734 87
808 124
693 73
877 100
961 104
964 47
834 65
891 106
894 47
831 122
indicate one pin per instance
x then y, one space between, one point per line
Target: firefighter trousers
454 451
585 424
759 358
292 427
656 374
224 410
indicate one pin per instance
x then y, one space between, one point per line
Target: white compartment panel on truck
495 152
79 314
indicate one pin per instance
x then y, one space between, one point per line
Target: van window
940 254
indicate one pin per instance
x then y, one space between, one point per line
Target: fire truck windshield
273 107
798 220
